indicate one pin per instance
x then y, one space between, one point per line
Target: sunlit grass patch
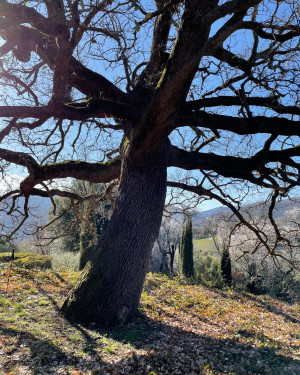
179 325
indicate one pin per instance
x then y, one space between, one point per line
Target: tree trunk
109 289
172 256
186 251
164 267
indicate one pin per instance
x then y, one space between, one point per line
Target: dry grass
181 329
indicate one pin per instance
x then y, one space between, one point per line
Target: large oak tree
107 90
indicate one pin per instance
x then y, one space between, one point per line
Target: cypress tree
226 267
186 250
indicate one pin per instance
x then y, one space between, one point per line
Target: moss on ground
27 260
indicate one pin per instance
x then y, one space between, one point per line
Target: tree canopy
106 90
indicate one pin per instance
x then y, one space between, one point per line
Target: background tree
64 226
77 227
164 250
186 250
4 246
181 90
225 264
278 276
95 217
91 229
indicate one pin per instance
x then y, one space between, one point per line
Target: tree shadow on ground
189 352
274 309
51 299
157 347
38 353
263 304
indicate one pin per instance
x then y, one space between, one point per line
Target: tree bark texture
110 286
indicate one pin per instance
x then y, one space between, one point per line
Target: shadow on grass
39 353
274 309
165 349
50 298
265 305
62 279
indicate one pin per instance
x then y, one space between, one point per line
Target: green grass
27 260
189 328
67 260
206 244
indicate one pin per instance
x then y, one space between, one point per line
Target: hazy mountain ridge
39 207
38 212
259 208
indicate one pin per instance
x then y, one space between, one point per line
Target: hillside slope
182 329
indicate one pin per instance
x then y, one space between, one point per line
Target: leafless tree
166 245
210 87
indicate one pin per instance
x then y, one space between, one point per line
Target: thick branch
94 107
24 14
158 56
294 31
81 170
88 82
242 126
234 167
177 76
230 58
229 7
269 102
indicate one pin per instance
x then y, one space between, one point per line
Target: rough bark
109 289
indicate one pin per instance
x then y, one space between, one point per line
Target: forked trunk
110 286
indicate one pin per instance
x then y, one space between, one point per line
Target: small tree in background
91 230
226 267
78 226
4 246
186 250
168 241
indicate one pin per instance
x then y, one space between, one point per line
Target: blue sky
113 71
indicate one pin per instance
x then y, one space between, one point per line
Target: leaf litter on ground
180 329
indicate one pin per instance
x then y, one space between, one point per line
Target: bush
207 270
27 260
278 283
4 246
65 259
285 286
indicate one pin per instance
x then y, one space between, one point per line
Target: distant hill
279 212
202 215
38 208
